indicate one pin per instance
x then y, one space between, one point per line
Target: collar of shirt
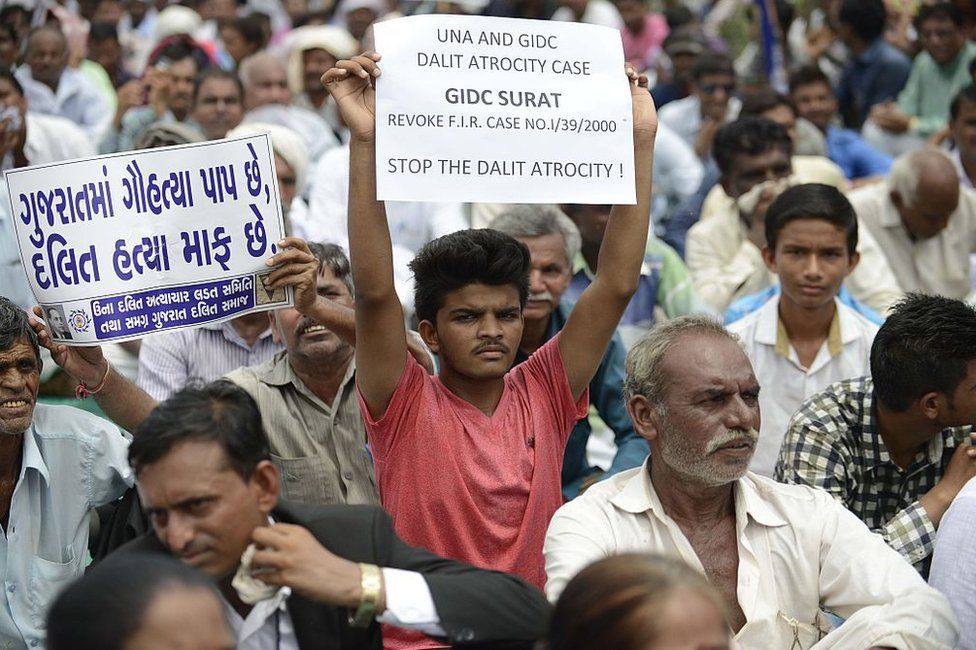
280 373
638 496
771 331
875 453
264 614
32 457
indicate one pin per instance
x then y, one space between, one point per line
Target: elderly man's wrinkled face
268 85
306 338
201 509
549 276
20 378
706 428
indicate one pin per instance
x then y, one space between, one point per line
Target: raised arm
122 401
597 312
382 350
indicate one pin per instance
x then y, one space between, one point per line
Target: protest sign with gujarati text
502 110
122 245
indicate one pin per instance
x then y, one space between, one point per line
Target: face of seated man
704 429
203 510
20 379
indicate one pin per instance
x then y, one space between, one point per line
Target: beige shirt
319 449
806 169
939 265
726 266
786 383
799 551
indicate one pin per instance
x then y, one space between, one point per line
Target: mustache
732 436
542 296
492 344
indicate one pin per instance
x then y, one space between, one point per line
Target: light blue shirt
953 572
73 461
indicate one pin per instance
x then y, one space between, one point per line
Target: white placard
502 110
118 246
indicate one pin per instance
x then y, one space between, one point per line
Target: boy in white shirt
804 339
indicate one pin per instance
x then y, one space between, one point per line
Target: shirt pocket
46 581
306 480
805 635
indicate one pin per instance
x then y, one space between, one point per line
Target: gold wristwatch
371 585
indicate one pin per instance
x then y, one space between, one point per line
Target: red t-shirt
468 486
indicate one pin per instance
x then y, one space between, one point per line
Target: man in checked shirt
896 449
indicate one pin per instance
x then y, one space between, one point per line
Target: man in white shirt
924 222
804 339
779 554
54 89
293 576
711 103
267 98
723 251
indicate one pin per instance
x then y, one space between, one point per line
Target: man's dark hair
967 94
482 256
220 412
101 32
712 63
924 346
14 326
943 10
812 201
105 608
678 16
751 136
765 99
7 74
332 257
216 73
866 17
806 76
251 29
178 47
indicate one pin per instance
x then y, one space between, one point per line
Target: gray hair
905 175
14 326
536 221
246 69
332 257
644 366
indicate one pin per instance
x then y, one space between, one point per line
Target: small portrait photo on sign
57 323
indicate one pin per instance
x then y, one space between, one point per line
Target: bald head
265 81
47 54
925 190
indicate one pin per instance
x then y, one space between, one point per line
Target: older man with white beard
779 554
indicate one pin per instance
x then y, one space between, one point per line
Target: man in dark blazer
208 485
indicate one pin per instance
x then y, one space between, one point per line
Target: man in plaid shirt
896 449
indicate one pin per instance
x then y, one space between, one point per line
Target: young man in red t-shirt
468 462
